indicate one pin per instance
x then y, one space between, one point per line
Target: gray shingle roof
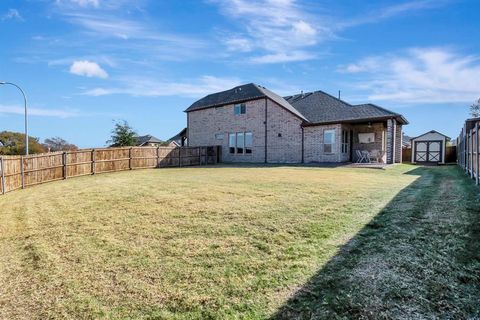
320 107
147 139
312 107
239 94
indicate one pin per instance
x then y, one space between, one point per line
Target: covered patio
378 141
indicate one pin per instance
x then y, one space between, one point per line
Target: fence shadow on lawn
418 258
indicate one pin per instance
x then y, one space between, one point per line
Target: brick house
253 124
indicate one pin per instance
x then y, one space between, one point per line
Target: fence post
130 158
2 167
64 162
158 157
93 161
477 165
22 172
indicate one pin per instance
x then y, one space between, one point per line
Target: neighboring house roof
179 136
313 107
320 107
239 94
431 131
142 140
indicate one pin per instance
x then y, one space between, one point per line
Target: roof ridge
377 106
332 96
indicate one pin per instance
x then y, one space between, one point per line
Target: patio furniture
362 157
376 156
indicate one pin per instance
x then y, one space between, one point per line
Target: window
240 142
219 136
345 141
231 142
328 141
248 142
239 109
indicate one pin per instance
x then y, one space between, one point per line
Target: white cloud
57 113
152 88
88 69
87 3
274 27
283 57
421 75
12 14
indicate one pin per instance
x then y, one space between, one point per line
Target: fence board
20 172
468 150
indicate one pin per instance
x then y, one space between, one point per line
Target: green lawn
243 242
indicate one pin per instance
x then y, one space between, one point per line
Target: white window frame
331 144
345 141
230 147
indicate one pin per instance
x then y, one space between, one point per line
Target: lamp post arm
26 114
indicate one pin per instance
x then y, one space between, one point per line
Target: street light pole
26 118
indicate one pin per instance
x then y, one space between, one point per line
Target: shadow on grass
418 258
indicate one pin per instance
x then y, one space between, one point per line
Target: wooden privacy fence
468 148
18 172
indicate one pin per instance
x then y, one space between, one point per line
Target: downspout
265 122
303 143
188 130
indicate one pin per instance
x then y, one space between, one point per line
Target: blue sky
85 63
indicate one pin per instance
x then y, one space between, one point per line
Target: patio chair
374 156
360 156
366 156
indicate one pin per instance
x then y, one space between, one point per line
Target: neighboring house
429 148
253 124
149 141
180 139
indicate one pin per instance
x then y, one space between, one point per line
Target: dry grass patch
189 243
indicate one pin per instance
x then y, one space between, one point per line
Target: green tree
475 109
13 143
122 135
58 144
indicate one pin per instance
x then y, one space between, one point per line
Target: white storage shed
429 148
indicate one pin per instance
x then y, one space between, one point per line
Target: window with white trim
248 142
232 141
345 141
240 143
329 141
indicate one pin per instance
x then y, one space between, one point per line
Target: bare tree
475 109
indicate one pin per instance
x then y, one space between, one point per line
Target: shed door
428 151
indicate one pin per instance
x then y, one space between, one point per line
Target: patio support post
390 141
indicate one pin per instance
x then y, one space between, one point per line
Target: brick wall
314 149
284 132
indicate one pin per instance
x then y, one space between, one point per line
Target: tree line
13 143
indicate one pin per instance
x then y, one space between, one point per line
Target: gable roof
431 131
320 107
239 94
315 107
147 139
180 135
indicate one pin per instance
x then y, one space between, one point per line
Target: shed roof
431 131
